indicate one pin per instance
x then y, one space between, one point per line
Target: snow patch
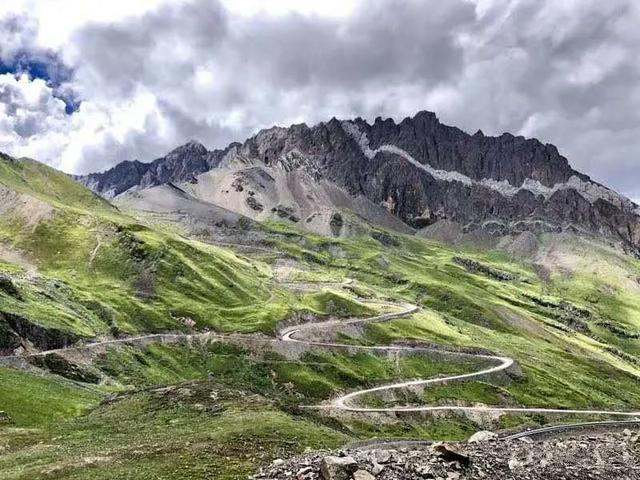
589 190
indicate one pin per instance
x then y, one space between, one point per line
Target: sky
85 84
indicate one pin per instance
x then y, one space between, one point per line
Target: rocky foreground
606 456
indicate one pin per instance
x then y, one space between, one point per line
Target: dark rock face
182 164
283 211
477 267
15 329
6 158
8 287
116 180
61 366
506 157
336 223
421 171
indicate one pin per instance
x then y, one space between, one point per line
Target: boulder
338 468
363 475
7 286
482 436
383 262
450 453
382 456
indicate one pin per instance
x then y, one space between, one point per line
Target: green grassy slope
190 431
36 400
48 184
574 333
93 271
570 316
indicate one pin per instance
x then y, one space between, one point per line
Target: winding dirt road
348 402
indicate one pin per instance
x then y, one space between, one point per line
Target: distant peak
426 115
333 122
190 146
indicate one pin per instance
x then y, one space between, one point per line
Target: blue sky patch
50 68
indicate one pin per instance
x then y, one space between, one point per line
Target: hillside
36 180
407 175
84 268
198 337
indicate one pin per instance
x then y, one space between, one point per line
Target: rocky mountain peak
115 180
419 170
191 148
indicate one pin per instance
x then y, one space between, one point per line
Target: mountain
33 182
180 165
78 267
418 171
203 339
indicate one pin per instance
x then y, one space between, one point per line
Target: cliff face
419 170
116 180
180 165
514 159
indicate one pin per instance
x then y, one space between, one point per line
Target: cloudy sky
85 84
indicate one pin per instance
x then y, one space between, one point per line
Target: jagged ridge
180 165
419 170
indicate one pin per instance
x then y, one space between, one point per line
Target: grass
100 272
333 303
470 392
35 400
560 366
99 277
50 185
313 377
194 430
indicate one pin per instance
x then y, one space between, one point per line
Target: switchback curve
347 403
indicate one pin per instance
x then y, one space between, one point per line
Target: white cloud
30 117
326 8
59 19
33 123
155 73
196 71
594 66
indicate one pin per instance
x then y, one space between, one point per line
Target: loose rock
482 436
337 468
611 456
363 475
